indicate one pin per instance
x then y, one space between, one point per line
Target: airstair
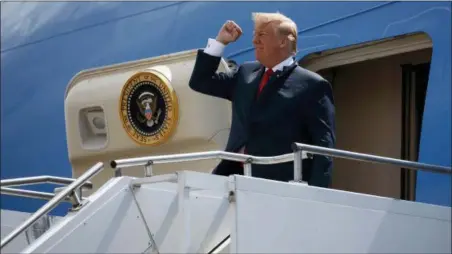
195 212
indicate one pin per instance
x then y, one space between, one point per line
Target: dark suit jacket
296 105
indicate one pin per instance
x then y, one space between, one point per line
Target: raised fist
229 32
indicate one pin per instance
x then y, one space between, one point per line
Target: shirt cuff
214 48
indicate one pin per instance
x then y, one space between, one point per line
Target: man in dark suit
275 102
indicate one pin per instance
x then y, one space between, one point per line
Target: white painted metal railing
298 147
71 189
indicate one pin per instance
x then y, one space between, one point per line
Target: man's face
267 43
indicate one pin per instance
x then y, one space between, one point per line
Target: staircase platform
191 212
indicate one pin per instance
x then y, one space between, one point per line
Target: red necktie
264 80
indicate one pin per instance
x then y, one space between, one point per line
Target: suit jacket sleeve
204 78
321 127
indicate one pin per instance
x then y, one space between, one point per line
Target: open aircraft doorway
379 89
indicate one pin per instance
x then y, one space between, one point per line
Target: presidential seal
148 108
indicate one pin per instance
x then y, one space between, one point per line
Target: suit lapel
248 94
255 79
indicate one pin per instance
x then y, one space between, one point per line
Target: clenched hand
229 32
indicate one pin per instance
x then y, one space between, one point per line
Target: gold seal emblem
148 108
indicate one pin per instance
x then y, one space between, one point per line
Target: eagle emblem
148 108
149 114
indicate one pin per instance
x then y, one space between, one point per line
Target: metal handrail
184 157
148 161
29 193
370 158
41 179
53 202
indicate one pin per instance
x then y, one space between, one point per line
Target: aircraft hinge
231 189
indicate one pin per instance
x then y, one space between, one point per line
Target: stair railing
300 152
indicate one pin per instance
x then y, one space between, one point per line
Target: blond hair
284 25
